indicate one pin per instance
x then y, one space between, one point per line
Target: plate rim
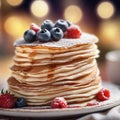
49 113
45 113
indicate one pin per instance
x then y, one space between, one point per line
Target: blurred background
99 17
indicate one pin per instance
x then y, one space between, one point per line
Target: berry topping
30 36
7 100
56 33
69 23
47 24
43 35
51 32
20 102
103 94
62 24
59 102
34 27
73 31
92 103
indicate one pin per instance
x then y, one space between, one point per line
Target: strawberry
59 102
34 27
7 100
103 94
73 32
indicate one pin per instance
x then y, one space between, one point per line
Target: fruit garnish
73 32
20 102
62 24
92 103
34 27
51 32
7 100
47 24
43 35
69 23
29 36
56 33
59 102
103 94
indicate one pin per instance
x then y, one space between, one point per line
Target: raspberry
92 103
7 100
34 27
73 32
103 94
59 102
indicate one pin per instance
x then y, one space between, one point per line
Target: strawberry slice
34 27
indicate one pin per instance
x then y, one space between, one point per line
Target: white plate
51 113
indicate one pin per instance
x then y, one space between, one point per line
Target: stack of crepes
66 68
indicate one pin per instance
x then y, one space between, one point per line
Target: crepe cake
67 68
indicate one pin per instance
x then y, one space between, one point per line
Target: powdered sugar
65 42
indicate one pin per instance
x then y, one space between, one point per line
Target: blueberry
56 33
62 24
29 36
20 102
69 23
43 35
47 24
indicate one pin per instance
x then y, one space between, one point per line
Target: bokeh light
109 31
15 26
105 10
14 2
39 8
16 17
0 3
73 13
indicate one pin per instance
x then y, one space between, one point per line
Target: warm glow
105 10
109 32
73 13
15 26
0 3
14 2
39 8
